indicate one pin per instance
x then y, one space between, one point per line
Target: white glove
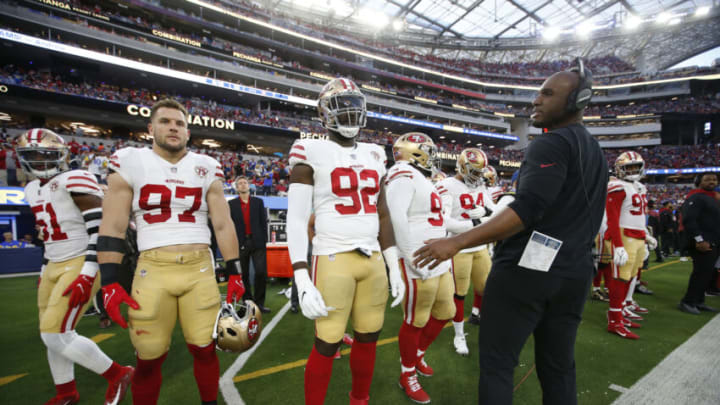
397 287
620 256
477 212
311 301
647 253
651 242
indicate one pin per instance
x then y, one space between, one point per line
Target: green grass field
274 374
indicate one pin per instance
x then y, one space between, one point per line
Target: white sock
407 369
79 349
420 353
476 311
459 328
61 368
631 289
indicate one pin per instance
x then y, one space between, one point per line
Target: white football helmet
235 332
630 166
42 152
342 107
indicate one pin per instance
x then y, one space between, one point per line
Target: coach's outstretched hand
113 296
435 252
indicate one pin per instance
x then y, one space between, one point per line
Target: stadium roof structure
651 34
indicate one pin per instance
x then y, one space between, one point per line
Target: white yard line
227 387
13 275
689 375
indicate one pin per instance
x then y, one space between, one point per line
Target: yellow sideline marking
301 363
101 337
11 378
663 265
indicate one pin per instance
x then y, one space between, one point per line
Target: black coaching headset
580 97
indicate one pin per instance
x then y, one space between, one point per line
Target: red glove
113 296
235 288
80 290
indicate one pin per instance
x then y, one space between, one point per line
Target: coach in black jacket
542 269
701 217
250 218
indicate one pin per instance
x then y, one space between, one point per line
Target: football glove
477 212
80 290
235 289
620 256
647 253
113 296
651 242
311 301
397 286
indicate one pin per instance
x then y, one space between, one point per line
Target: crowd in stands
672 156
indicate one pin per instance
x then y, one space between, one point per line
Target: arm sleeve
399 195
92 218
612 207
300 198
542 175
451 224
691 215
118 164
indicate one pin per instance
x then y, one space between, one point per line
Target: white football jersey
98 165
62 223
633 212
169 200
495 193
458 199
416 213
345 193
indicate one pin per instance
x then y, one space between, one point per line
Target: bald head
549 105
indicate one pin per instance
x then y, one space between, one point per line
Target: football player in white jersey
340 181
465 201
493 184
170 192
416 213
626 211
66 204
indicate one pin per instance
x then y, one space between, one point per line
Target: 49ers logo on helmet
416 138
472 157
201 171
253 327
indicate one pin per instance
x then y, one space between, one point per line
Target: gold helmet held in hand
491 176
342 107
472 164
42 152
630 166
418 149
237 332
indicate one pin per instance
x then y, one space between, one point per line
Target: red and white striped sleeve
80 181
299 153
396 173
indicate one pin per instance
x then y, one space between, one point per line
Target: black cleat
474 319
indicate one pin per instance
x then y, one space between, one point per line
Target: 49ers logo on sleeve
201 171
417 139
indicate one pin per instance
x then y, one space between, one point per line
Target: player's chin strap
300 197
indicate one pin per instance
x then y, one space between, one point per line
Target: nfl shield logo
201 171
173 169
53 186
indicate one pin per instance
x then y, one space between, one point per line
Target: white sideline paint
618 388
227 386
689 375
13 275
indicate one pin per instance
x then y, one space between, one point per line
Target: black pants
259 260
519 302
668 240
702 273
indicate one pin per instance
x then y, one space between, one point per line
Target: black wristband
233 267
110 244
108 273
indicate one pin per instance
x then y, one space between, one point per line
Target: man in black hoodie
701 218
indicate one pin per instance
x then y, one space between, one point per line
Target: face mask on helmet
237 327
345 114
632 172
43 163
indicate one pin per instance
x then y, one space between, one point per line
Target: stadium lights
663 18
551 33
398 25
633 22
341 8
702 11
372 17
674 21
584 29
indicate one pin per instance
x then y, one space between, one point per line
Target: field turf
274 374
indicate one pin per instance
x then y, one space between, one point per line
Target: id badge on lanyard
540 252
